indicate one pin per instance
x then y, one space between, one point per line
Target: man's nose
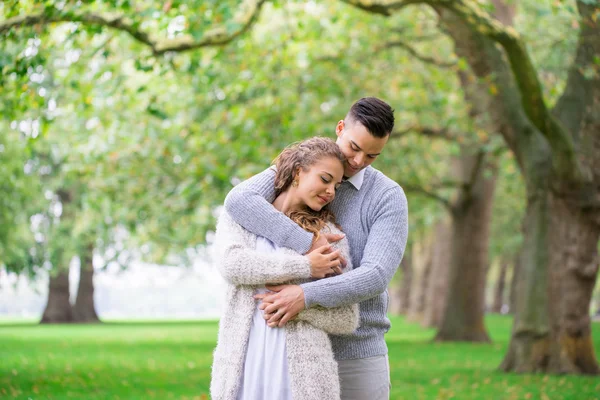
359 160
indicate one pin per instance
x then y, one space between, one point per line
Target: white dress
266 374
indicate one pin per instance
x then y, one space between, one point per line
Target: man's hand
281 306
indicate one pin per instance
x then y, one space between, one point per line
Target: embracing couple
308 248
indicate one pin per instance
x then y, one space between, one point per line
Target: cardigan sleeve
240 264
337 320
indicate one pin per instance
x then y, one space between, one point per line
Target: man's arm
338 320
382 255
249 204
241 265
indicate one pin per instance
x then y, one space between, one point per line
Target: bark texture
437 288
84 309
463 316
58 308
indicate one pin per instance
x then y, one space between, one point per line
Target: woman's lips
323 200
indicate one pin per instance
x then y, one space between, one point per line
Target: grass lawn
171 360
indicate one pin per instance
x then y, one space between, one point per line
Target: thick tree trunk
463 317
84 309
538 342
58 308
530 339
437 289
552 329
573 269
499 289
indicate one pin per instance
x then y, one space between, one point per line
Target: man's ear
339 128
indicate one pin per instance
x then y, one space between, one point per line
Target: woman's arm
335 321
240 264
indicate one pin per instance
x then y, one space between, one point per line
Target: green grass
171 360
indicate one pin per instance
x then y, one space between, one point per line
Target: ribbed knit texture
375 220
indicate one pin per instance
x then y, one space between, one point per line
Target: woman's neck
285 203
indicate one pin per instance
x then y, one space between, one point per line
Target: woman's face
317 185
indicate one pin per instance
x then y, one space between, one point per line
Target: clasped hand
285 302
323 261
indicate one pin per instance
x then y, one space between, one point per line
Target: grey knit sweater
375 220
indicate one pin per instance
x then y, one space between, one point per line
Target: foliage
149 145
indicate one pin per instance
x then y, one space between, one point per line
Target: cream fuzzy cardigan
313 370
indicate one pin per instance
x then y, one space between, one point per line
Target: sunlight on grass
162 360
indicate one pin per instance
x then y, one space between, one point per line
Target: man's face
358 145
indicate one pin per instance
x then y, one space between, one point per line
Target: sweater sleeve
338 320
381 258
249 204
240 264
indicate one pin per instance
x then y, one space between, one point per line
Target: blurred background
126 122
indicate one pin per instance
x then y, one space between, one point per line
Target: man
373 212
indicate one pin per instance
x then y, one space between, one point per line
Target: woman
253 361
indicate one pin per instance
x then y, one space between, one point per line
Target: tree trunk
512 300
421 262
84 309
400 291
552 328
573 269
407 276
437 289
548 336
58 308
499 289
463 317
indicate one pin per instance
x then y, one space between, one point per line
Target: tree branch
219 36
412 51
564 159
475 172
421 190
439 133
382 7
577 99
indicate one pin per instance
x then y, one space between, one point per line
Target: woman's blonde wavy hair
302 155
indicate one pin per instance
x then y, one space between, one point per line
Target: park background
125 123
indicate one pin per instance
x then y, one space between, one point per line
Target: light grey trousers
365 378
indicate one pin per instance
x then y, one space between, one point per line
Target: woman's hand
324 262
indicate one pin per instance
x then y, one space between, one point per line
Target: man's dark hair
374 114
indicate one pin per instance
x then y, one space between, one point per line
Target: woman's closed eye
325 180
